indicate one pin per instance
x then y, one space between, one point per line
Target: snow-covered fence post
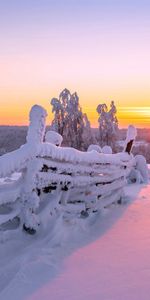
30 199
36 129
131 135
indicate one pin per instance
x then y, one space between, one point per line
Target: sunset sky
98 48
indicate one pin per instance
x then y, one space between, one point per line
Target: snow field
103 257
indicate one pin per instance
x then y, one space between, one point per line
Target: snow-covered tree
108 124
88 135
70 122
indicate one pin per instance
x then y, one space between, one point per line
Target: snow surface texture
104 257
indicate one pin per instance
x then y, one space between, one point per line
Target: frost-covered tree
108 124
59 109
70 122
88 135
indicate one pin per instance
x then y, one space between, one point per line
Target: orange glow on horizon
137 116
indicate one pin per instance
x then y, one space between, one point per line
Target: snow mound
107 150
53 137
142 167
139 173
94 147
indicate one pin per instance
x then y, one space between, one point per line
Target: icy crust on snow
76 156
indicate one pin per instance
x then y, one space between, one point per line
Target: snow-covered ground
106 256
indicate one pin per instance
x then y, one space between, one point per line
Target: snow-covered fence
58 180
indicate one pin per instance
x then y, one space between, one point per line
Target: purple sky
98 48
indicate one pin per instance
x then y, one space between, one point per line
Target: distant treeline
12 137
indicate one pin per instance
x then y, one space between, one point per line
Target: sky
98 48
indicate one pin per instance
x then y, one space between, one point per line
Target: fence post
36 129
29 198
131 135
